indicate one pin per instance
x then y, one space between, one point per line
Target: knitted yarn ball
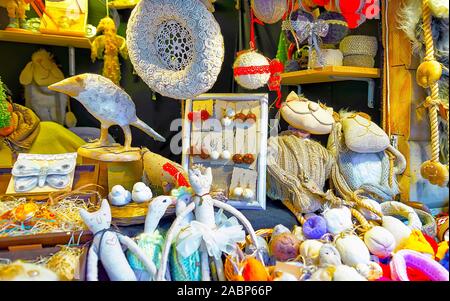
315 227
284 246
252 59
337 27
269 11
298 15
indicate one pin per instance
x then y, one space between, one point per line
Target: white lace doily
175 46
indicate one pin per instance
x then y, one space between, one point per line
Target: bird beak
71 86
174 201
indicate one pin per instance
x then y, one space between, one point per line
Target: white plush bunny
107 247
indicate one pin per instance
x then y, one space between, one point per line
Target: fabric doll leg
92 265
205 263
219 269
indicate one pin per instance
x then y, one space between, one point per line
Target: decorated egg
310 250
353 250
284 246
379 241
269 11
251 70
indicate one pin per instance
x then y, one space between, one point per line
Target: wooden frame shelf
328 74
44 39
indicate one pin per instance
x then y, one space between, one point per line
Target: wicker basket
133 214
359 60
359 44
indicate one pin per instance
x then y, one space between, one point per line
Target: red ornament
321 2
204 115
276 68
191 116
352 11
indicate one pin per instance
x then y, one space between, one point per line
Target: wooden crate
35 252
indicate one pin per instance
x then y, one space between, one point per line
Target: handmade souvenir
204 234
345 273
141 193
175 46
269 11
22 271
41 72
399 209
107 247
310 250
353 250
6 109
363 154
352 11
338 219
184 268
108 46
442 227
65 17
34 173
297 17
16 12
330 57
337 27
418 242
110 105
398 229
379 241
404 259
119 196
284 246
329 256
306 115
359 50
232 141
150 241
258 70
315 227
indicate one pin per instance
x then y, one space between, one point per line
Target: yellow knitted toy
417 242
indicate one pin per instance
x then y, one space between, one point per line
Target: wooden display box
84 175
35 252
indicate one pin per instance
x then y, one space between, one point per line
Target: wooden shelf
44 39
328 74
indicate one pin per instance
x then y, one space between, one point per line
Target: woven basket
358 44
359 60
229 271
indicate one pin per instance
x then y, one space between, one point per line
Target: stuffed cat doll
107 247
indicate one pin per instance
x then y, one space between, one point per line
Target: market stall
199 140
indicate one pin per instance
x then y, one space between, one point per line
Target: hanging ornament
337 27
297 16
269 11
251 69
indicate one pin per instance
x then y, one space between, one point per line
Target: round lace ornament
175 46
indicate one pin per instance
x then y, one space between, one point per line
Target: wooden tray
84 174
36 252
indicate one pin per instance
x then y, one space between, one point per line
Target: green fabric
151 244
282 53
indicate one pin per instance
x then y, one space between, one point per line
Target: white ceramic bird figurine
150 241
119 196
141 193
107 102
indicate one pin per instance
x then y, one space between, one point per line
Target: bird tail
148 130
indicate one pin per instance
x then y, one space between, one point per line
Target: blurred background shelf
44 39
328 74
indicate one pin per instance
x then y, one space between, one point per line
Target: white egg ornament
353 250
338 220
310 250
251 70
379 241
398 229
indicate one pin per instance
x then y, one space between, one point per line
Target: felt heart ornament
362 135
379 241
338 220
398 229
307 115
310 250
353 250
346 273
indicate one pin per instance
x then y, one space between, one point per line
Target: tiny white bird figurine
119 196
108 103
141 193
